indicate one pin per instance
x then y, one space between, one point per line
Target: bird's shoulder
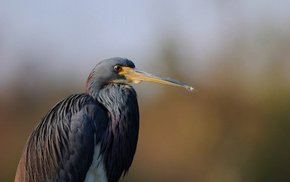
77 109
76 105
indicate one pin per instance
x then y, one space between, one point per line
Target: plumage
61 146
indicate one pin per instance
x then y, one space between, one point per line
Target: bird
90 136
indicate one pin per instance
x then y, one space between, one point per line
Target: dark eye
117 68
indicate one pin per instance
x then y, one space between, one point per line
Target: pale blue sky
60 37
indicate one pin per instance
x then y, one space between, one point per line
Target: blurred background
236 54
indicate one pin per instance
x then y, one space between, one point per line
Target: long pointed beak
137 76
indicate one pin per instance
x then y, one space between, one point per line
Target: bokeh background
236 54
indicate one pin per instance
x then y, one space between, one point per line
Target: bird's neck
93 90
120 139
93 85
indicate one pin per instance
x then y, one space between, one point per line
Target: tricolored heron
90 136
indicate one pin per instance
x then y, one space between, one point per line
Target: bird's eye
117 68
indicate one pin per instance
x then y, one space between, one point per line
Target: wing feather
61 147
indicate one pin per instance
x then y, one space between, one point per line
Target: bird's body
87 137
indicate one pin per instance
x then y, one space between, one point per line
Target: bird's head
122 70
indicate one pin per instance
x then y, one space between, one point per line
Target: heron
90 136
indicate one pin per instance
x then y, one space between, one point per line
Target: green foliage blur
234 128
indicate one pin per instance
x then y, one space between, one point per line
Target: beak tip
189 88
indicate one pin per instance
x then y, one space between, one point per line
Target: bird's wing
61 147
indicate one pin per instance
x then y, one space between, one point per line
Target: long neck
120 139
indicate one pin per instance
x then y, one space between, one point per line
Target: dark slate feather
61 147
119 141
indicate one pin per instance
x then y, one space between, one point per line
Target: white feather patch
97 170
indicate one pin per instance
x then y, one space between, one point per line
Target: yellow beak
136 76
